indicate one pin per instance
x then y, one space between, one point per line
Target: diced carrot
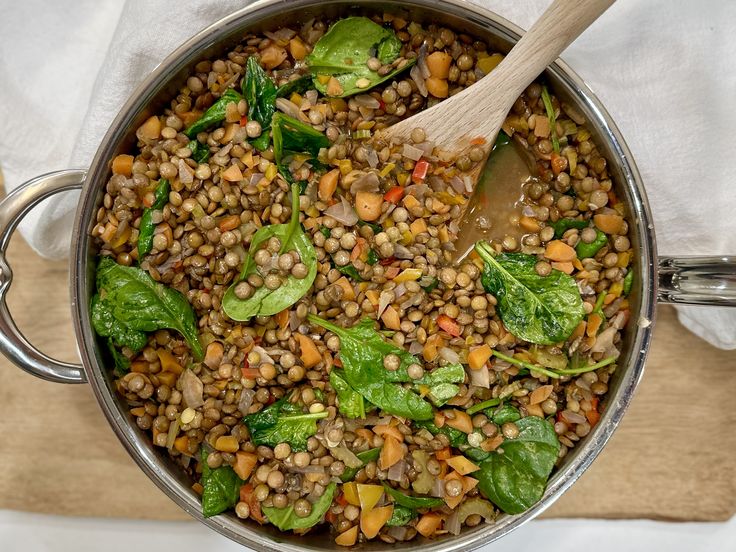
230 222
439 418
558 163
139 366
439 88
529 224
249 497
420 171
557 250
168 362
227 443
428 524
594 323
391 319
540 394
361 245
394 194
462 465
328 184
348 293
391 272
385 430
341 500
432 346
138 411
123 164
232 174
373 296
371 522
272 56
438 64
391 452
151 129
297 48
610 224
478 356
243 121
460 421
334 88
244 464
567 268
534 410
364 433
347 538
449 325
469 484
282 319
182 444
368 205
443 454
309 354
250 373
109 233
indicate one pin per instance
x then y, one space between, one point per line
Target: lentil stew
353 375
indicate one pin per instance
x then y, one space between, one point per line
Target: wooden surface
672 458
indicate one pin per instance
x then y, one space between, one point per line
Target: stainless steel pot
705 281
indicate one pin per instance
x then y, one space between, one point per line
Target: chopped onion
310 469
427 147
416 76
612 309
366 100
604 341
452 524
438 488
367 182
422 61
186 174
620 321
397 471
343 212
457 184
401 532
572 417
415 348
192 389
293 320
283 35
372 157
468 183
265 357
173 432
401 252
449 355
246 400
291 109
346 456
481 377
417 190
410 152
384 300
527 211
312 96
400 290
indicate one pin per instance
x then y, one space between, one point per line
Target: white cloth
665 69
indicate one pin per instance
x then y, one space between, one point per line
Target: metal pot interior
164 83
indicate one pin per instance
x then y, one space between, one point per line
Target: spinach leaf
265 301
538 309
515 478
505 413
351 272
552 119
106 325
431 286
326 232
146 228
221 488
442 382
372 257
372 225
401 516
300 85
343 53
350 401
122 364
362 350
456 437
137 302
260 93
413 502
587 250
200 151
628 281
215 114
285 518
563 225
365 456
292 136
282 422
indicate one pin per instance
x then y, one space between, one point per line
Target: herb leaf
200 151
413 502
215 114
538 309
515 479
344 50
285 518
351 272
350 401
293 136
362 350
146 228
300 85
365 456
282 422
221 488
401 516
260 93
265 301
137 302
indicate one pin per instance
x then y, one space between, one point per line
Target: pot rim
152 463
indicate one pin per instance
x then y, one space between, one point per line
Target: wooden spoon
479 111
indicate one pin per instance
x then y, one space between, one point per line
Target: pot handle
12 343
698 280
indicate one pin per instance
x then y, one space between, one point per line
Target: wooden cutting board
672 458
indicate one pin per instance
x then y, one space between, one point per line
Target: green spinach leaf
413 502
506 413
146 228
514 477
265 301
538 309
350 401
351 272
292 136
122 364
362 350
106 325
136 302
456 437
285 518
587 250
221 488
372 258
260 93
343 53
401 516
442 382
628 281
200 151
282 422
366 456
564 224
300 85
215 114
